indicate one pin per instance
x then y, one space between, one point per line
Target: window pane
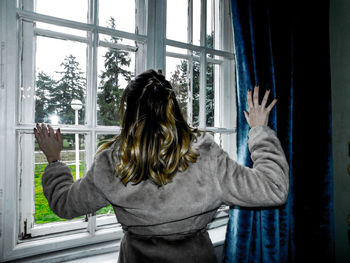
195 96
43 214
210 97
177 74
117 14
60 79
196 22
76 10
210 23
115 69
176 25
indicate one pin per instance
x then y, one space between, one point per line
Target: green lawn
43 213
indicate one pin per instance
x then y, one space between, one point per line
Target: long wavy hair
155 140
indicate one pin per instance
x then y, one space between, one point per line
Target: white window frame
150 28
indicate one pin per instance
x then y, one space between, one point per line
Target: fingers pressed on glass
38 127
44 129
36 134
51 131
58 135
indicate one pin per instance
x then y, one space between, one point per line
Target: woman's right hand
258 114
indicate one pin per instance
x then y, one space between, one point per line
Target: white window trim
154 48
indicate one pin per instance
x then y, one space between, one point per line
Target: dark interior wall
340 77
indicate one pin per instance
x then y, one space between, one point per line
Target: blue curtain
284 46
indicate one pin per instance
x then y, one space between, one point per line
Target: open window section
117 14
76 10
36 216
116 67
60 81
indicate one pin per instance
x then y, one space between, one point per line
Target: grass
43 213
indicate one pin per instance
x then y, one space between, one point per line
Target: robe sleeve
69 199
266 184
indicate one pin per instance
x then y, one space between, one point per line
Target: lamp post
76 106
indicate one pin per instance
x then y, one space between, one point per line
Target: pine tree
179 84
70 86
44 86
116 63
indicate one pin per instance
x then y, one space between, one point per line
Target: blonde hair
155 140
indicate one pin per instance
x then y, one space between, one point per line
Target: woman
164 179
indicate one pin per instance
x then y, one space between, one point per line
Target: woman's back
164 180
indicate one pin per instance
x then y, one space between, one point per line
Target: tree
70 86
116 63
44 86
179 83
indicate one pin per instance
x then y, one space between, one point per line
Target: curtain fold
284 46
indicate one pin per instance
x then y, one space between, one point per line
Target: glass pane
76 10
176 24
117 14
210 97
195 95
196 22
115 69
61 29
101 139
210 24
177 74
72 143
60 80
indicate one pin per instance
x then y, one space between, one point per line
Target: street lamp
76 106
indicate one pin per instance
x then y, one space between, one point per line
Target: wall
340 74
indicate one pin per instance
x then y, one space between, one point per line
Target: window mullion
8 151
141 28
218 80
156 31
227 77
190 64
203 66
91 106
26 115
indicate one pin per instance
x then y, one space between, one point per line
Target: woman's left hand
49 141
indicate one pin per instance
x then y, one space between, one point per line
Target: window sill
109 249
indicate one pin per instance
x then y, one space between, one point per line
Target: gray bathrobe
167 224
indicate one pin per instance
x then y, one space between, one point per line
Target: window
58 64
